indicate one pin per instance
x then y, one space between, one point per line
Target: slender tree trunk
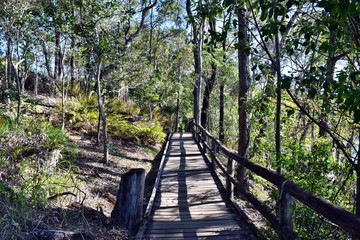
221 114
72 63
23 78
244 131
51 75
196 53
62 79
177 112
221 117
278 104
36 77
57 60
151 111
63 103
18 96
195 91
207 93
98 130
358 179
101 111
178 105
7 79
199 82
330 70
198 71
151 34
18 87
357 196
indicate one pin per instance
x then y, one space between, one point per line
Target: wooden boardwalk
188 204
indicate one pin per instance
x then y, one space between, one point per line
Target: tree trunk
57 60
209 86
221 114
278 104
23 78
330 65
244 131
51 75
197 59
7 79
151 34
178 106
357 192
206 100
101 111
195 91
199 81
72 63
98 130
36 77
63 103
357 200
18 87
221 117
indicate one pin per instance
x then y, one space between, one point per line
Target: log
45 234
127 211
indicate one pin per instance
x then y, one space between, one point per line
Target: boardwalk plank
194 217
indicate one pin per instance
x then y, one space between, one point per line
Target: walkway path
188 204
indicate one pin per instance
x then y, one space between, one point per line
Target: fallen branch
61 194
111 199
46 234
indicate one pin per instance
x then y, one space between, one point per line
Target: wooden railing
282 224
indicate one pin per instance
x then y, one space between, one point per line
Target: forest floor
87 207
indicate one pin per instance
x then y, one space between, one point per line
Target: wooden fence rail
288 189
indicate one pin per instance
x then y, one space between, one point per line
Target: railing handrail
340 216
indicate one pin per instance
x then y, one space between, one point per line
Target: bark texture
244 131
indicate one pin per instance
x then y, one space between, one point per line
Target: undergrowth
35 165
125 119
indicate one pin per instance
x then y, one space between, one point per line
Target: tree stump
129 202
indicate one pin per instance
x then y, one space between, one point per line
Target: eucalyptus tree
197 21
13 24
105 28
244 84
20 30
211 11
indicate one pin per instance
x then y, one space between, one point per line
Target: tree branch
129 40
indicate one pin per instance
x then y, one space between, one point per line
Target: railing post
229 185
203 137
206 141
195 133
214 150
287 205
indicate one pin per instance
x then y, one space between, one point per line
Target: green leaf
228 3
312 93
290 112
263 15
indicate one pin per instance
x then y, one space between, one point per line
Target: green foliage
56 137
312 165
124 119
27 153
